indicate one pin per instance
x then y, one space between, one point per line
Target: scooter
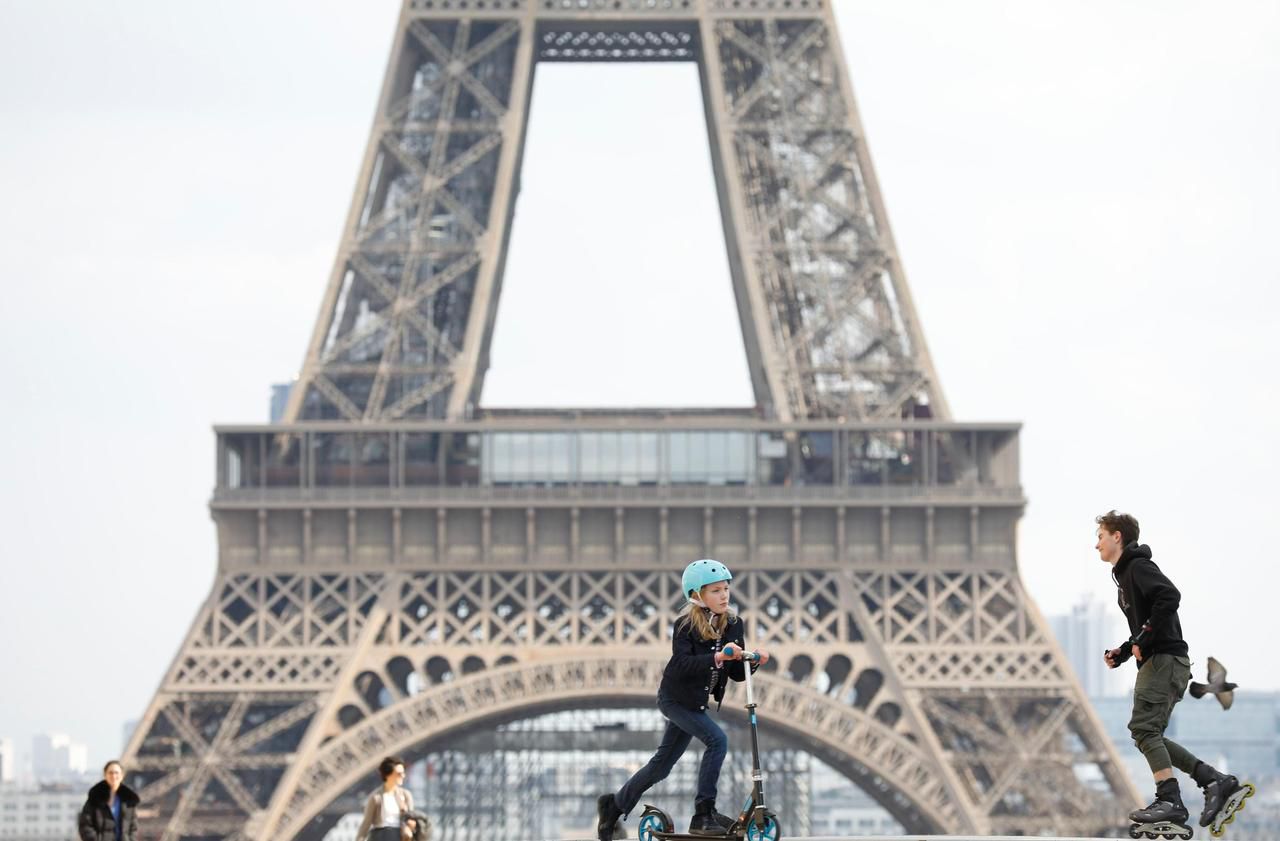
756 822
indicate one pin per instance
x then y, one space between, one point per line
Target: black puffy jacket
688 677
96 822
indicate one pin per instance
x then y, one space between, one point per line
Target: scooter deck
688 836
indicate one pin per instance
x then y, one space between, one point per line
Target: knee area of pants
1146 742
661 768
1140 733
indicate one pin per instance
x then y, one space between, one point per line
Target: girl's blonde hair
705 622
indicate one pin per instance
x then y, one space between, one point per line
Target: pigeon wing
1217 671
1225 698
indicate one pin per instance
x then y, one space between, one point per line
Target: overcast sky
1086 197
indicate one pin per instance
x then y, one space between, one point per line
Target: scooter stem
757 778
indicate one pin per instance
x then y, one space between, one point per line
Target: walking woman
386 810
111 811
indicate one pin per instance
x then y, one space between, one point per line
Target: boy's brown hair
1114 521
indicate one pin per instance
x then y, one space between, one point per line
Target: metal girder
419 250
828 320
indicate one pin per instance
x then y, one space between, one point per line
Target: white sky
1086 197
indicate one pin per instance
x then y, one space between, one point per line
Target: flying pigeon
1217 685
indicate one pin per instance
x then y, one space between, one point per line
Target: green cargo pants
1160 684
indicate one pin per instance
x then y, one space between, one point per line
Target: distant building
39 815
55 757
839 807
279 399
1089 629
8 758
838 818
1244 740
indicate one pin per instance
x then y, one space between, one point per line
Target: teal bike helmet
701 573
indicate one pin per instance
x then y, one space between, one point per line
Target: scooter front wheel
769 832
653 821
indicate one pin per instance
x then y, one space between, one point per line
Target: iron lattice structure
826 314
400 571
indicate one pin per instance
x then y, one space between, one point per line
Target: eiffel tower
400 570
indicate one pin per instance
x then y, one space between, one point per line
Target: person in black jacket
110 813
698 670
1150 604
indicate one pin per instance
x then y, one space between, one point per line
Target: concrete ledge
785 837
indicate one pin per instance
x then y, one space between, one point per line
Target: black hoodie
1150 603
96 822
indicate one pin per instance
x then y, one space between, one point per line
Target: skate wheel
770 832
650 824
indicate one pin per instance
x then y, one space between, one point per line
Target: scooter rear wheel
770 832
651 822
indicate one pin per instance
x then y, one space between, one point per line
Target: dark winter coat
688 677
96 821
1150 603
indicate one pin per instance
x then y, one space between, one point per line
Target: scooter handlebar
746 655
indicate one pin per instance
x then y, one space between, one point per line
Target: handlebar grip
746 655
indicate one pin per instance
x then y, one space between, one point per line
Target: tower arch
889 767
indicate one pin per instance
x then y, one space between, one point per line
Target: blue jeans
682 726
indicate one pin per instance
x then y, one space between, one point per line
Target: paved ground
927 838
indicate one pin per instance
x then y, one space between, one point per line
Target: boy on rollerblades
1150 604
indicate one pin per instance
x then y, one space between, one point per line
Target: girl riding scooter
698 669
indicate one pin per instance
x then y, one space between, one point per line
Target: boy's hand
1120 654
1137 653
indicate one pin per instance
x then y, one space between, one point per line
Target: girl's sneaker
607 814
707 821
